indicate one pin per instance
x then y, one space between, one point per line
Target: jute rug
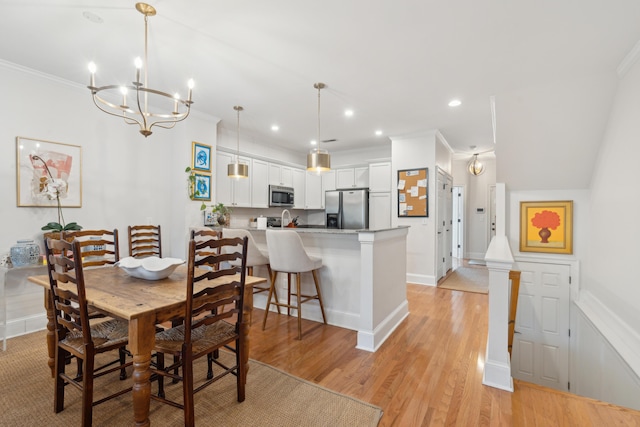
467 279
273 397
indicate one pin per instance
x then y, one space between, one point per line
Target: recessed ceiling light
313 142
454 103
378 132
348 113
275 128
92 17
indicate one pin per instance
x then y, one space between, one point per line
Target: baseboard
371 341
421 279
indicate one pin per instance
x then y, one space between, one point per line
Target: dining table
144 304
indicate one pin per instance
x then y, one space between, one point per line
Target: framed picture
43 167
201 156
546 227
210 218
413 190
202 186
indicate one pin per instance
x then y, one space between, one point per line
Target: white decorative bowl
150 268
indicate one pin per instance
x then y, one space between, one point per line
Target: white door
448 237
492 212
458 222
443 223
540 352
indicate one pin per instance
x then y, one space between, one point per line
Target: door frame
458 218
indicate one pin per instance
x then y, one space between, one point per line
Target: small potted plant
223 213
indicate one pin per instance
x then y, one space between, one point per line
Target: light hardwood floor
428 373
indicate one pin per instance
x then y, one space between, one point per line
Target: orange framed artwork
546 227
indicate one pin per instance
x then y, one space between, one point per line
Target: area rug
467 279
273 397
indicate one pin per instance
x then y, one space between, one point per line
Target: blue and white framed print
201 156
202 187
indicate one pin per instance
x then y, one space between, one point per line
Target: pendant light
318 160
237 169
475 166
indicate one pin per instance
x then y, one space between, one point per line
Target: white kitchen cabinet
352 177
380 177
298 184
313 195
328 184
379 210
232 191
280 175
259 177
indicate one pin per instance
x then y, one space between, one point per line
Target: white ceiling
550 64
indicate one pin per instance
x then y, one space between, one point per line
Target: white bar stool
255 257
287 255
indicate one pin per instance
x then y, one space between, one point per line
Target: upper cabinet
298 179
328 184
352 177
280 175
259 184
313 191
380 177
231 191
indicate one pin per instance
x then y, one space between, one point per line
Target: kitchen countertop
325 230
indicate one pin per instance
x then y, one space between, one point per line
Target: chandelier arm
160 123
122 116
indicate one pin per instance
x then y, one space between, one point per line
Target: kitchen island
363 280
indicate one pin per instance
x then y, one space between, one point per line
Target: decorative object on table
150 268
413 192
200 157
237 169
5 261
319 160
136 111
49 174
210 217
25 252
546 227
223 213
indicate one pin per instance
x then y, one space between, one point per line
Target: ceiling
396 64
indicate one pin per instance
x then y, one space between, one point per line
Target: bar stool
287 255
255 257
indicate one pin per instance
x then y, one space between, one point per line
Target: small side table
14 283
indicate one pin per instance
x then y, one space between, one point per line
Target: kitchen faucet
282 217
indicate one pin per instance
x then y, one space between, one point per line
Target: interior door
457 236
541 342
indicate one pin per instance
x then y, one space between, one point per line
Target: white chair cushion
255 256
287 253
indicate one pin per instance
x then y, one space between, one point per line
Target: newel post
497 365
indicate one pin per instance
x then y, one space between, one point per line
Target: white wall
411 152
127 179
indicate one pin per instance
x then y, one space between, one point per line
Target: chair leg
210 358
275 293
58 397
123 354
187 388
289 294
271 291
299 305
241 379
160 363
315 280
87 392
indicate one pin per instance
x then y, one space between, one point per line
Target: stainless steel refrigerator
347 209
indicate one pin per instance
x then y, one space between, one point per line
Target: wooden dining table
144 304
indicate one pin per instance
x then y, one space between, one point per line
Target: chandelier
104 97
318 159
237 169
475 166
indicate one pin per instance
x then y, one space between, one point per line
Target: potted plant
223 212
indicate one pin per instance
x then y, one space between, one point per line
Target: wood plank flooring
428 373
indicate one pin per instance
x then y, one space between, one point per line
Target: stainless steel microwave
280 196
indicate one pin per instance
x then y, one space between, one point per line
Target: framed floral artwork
202 187
201 156
47 170
546 227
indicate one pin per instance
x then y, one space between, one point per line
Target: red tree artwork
545 220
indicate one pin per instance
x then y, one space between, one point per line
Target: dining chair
75 335
144 241
97 247
287 255
255 258
204 328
